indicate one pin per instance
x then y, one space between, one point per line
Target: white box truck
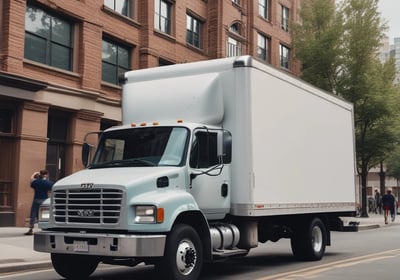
212 158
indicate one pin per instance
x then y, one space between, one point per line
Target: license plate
81 246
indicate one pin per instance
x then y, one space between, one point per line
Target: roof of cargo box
191 91
186 69
194 91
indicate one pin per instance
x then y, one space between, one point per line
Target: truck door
210 172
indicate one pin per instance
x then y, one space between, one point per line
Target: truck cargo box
293 144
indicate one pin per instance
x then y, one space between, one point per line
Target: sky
390 11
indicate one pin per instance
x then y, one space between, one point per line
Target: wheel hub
186 257
317 239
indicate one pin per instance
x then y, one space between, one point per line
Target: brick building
60 62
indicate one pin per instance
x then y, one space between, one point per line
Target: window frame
264 9
265 56
236 2
285 15
129 6
118 67
49 40
203 153
193 33
158 24
234 42
234 47
283 59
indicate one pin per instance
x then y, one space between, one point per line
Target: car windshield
151 146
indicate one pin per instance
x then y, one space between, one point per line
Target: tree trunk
382 176
364 201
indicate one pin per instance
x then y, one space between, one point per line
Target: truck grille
94 206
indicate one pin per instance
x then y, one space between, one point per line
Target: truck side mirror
85 153
227 147
224 146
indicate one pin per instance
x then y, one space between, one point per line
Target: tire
309 241
183 256
72 266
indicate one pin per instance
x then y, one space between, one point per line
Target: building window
236 28
162 16
263 8
234 47
193 31
120 6
284 53
48 39
237 2
115 60
164 62
285 18
262 47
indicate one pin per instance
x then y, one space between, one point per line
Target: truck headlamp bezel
148 214
44 214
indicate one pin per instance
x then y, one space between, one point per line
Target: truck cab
191 157
146 181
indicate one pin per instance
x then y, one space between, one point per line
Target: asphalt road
369 254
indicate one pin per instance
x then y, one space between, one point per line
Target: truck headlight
44 214
148 214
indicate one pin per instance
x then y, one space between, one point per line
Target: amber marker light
133 124
179 121
155 123
143 124
160 215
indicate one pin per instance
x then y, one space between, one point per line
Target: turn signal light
160 215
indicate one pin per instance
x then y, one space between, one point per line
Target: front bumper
96 244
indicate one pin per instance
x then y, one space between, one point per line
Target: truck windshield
150 146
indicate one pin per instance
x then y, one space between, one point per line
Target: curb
23 266
368 227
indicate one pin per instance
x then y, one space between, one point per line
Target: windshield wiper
123 163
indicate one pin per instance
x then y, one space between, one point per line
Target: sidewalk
17 252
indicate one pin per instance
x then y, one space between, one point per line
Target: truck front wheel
74 266
183 257
309 240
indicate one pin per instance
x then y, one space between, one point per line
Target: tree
317 43
351 66
393 159
393 164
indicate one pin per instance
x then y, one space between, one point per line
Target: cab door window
204 150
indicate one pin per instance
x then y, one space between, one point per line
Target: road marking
313 271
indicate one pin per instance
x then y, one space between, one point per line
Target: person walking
388 202
41 185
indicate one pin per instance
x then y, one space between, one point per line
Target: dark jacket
388 200
42 187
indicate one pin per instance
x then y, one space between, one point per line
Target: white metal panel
195 98
302 144
293 144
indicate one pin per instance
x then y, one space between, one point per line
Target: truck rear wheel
74 266
309 240
183 257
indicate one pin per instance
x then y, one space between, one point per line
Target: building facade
60 63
